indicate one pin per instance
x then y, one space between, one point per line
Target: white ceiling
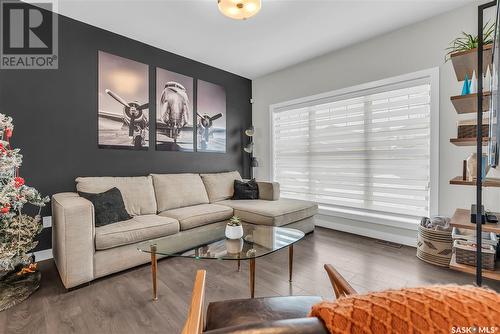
285 32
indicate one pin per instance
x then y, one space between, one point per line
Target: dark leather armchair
260 315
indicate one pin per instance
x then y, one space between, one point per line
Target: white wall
416 47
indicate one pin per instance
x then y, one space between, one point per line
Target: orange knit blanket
434 309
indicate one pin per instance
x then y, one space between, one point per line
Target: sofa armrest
269 191
73 234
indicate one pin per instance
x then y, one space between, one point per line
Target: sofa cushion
278 213
220 186
139 228
198 215
137 191
178 190
246 189
108 206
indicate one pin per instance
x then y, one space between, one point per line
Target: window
366 148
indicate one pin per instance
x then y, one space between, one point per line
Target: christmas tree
17 229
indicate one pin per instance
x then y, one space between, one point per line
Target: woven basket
464 234
434 247
465 253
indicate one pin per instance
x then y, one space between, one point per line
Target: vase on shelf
466 86
473 83
472 167
487 80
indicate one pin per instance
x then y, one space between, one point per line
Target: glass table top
257 240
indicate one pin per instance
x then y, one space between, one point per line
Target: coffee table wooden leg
252 277
154 266
239 265
290 262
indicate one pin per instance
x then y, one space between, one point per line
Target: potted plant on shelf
467 41
234 229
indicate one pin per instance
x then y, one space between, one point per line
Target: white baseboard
376 231
45 254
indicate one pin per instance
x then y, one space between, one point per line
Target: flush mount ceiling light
239 9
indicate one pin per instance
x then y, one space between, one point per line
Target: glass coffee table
257 241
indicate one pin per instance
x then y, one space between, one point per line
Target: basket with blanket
434 241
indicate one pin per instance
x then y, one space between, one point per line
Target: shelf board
467 141
488 182
467 104
461 219
491 274
464 62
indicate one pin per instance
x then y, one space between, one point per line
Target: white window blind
366 150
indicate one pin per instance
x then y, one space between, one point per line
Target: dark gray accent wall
55 115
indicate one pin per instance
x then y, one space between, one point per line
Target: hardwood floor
122 304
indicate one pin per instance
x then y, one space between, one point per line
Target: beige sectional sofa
176 206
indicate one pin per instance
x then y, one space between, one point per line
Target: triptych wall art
190 113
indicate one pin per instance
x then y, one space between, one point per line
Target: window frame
432 75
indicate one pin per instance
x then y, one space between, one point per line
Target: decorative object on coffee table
234 230
19 277
234 246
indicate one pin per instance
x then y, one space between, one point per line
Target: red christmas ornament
6 208
8 133
18 181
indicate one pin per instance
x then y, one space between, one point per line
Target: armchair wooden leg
340 286
290 263
194 322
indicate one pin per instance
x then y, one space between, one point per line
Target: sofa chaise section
281 212
269 209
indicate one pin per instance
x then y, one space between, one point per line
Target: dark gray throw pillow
108 206
246 189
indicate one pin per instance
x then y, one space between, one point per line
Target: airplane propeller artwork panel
123 120
211 117
174 111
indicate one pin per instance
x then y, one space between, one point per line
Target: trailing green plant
467 41
234 221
